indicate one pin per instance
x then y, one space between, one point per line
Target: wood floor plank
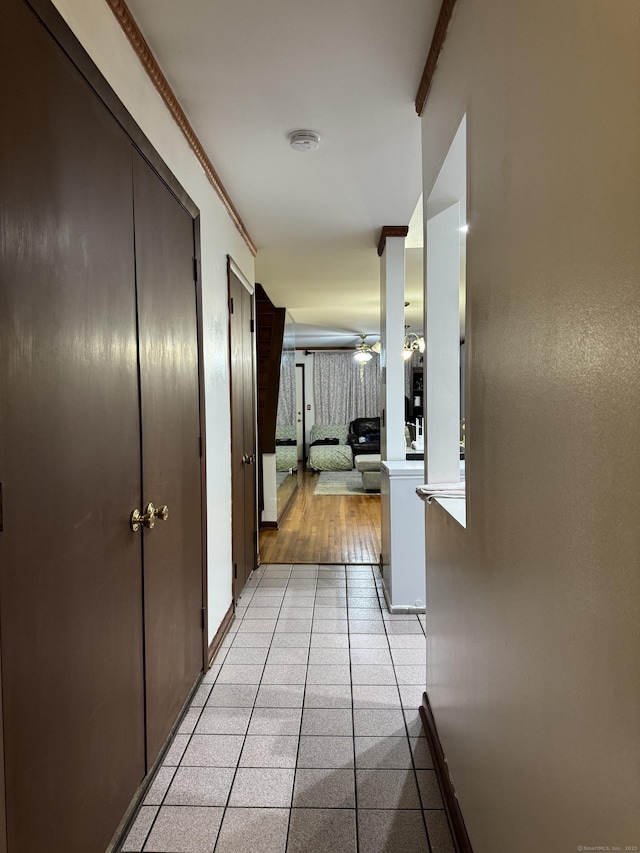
325 528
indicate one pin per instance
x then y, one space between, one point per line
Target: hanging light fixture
363 352
412 342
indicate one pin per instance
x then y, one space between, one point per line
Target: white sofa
330 457
286 454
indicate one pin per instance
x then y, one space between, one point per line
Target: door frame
197 273
232 267
300 375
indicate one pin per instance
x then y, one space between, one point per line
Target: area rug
340 483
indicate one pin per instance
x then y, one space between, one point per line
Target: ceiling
247 73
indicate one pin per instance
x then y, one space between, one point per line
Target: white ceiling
247 73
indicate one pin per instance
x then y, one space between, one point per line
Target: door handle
248 459
162 512
148 520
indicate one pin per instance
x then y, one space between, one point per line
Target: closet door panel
236 357
170 450
249 405
70 567
243 433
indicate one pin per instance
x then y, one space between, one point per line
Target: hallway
305 734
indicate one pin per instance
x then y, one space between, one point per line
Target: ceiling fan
364 351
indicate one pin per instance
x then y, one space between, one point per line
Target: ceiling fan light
377 347
406 354
362 356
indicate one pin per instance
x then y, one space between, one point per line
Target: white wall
442 328
269 487
97 29
532 618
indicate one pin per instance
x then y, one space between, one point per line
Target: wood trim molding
227 621
391 231
454 815
437 43
148 60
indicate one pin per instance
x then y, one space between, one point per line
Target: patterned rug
340 483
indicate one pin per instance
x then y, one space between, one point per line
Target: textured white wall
533 629
100 34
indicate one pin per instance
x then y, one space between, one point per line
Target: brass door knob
162 513
147 520
139 520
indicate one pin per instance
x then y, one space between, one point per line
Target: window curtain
287 393
342 391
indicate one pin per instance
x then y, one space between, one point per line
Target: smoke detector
304 140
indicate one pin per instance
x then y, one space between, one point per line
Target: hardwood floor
325 528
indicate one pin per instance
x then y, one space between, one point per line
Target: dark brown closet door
170 450
243 437
70 579
249 407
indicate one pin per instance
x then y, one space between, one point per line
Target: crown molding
437 43
391 231
148 60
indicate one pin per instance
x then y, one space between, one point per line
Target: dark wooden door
250 443
169 395
70 578
243 432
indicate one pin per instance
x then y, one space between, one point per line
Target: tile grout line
350 605
253 707
406 729
353 721
304 694
175 770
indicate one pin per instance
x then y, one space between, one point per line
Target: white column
442 331
392 272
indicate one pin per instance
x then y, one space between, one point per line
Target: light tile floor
305 734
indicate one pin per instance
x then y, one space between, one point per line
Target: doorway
301 428
242 360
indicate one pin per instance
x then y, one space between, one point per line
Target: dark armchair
364 435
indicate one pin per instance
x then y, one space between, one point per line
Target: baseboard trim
129 817
134 806
268 525
452 807
402 608
221 633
